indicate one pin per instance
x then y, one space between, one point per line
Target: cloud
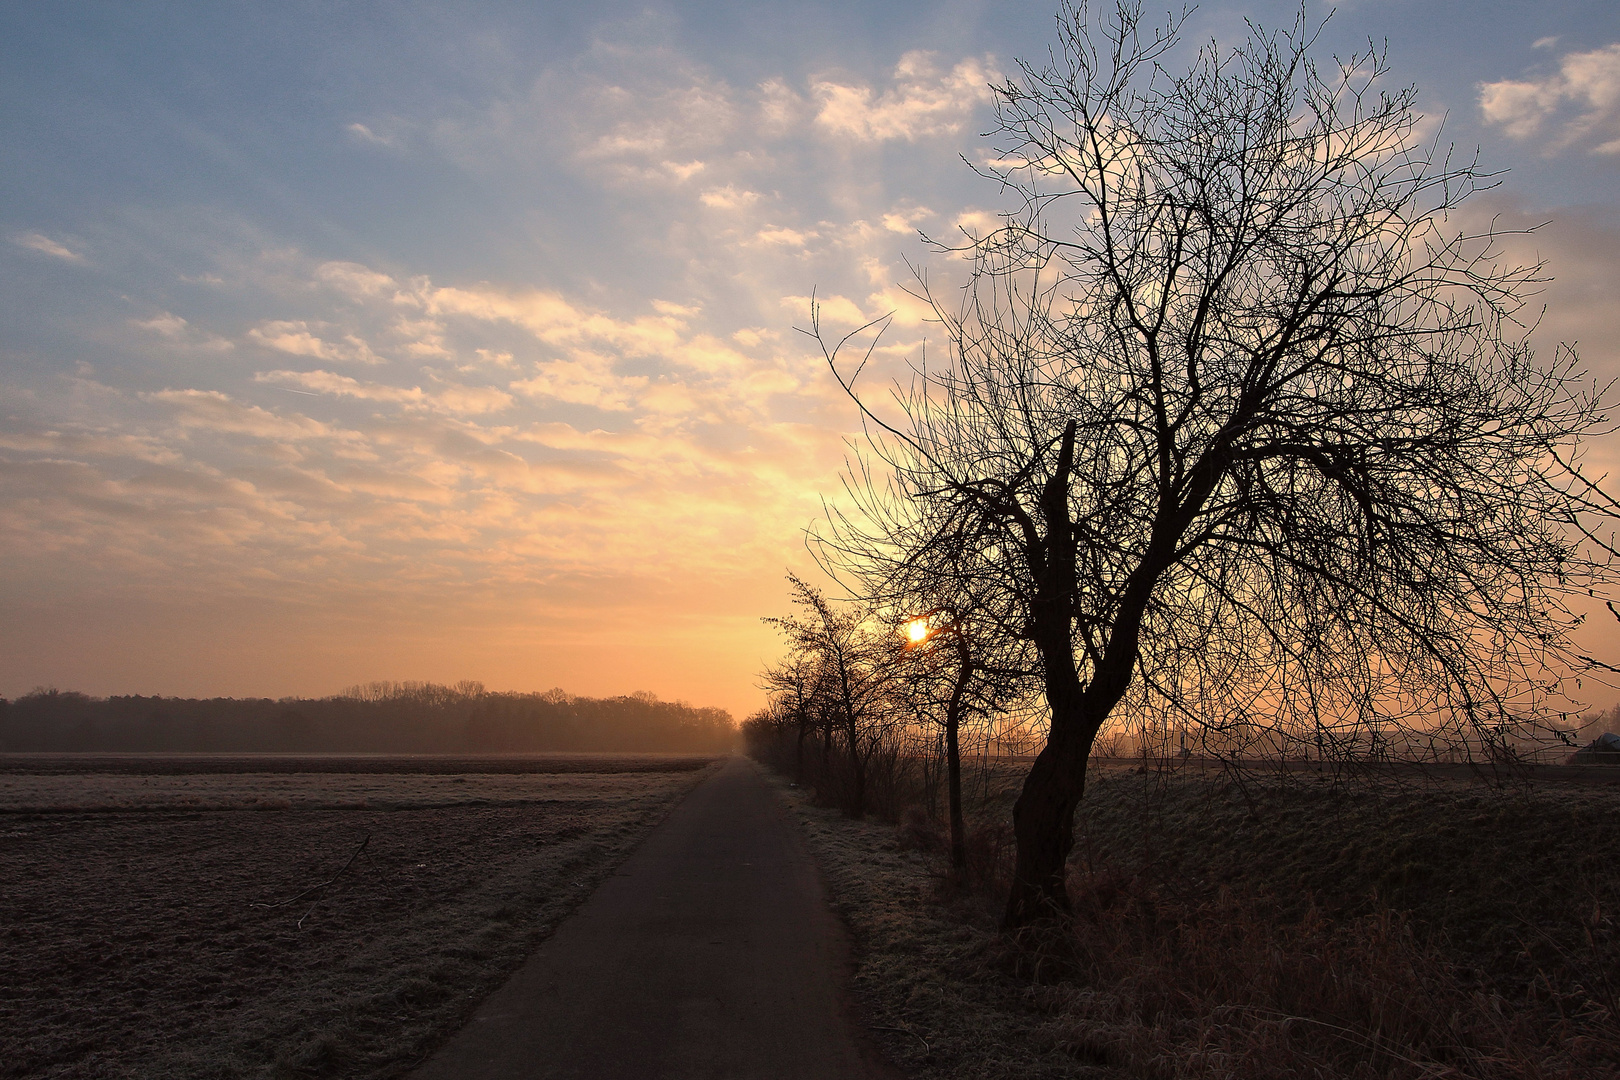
905 220
1581 101
781 236
46 246
426 337
682 170
648 118
754 335
705 353
835 310
213 411
729 197
904 305
554 319
470 400
58 506
355 279
168 325
495 358
326 382
653 365
62 442
923 102
780 108
296 337
453 398
364 134
583 382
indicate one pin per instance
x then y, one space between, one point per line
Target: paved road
710 954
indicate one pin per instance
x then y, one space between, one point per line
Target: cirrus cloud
46 246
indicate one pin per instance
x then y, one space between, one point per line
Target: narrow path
710 954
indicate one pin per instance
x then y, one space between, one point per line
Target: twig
929 1050
320 885
1373 1041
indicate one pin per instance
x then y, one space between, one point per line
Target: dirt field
394 764
174 924
1261 930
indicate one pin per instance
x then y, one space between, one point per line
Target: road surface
710 954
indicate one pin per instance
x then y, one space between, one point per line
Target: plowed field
181 923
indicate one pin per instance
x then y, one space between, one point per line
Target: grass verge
1254 930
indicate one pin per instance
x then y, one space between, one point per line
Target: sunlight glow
917 631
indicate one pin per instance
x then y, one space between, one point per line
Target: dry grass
134 946
1264 930
928 979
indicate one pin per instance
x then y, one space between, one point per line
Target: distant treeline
405 718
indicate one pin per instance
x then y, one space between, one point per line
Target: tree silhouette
842 676
970 664
1237 423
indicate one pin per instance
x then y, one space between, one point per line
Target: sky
344 342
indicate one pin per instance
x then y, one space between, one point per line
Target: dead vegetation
1262 929
155 938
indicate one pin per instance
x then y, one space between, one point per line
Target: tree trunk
1043 826
1043 816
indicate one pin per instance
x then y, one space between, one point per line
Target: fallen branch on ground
321 885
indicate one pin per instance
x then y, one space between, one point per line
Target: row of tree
415 718
1238 433
875 706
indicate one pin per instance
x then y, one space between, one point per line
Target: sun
917 631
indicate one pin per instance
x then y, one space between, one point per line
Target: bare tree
962 675
792 687
966 661
845 664
1239 421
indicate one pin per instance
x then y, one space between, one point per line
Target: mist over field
402 718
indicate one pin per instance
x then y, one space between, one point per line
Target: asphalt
710 954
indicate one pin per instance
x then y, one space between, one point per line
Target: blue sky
360 341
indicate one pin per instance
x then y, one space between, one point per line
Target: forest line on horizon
414 718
